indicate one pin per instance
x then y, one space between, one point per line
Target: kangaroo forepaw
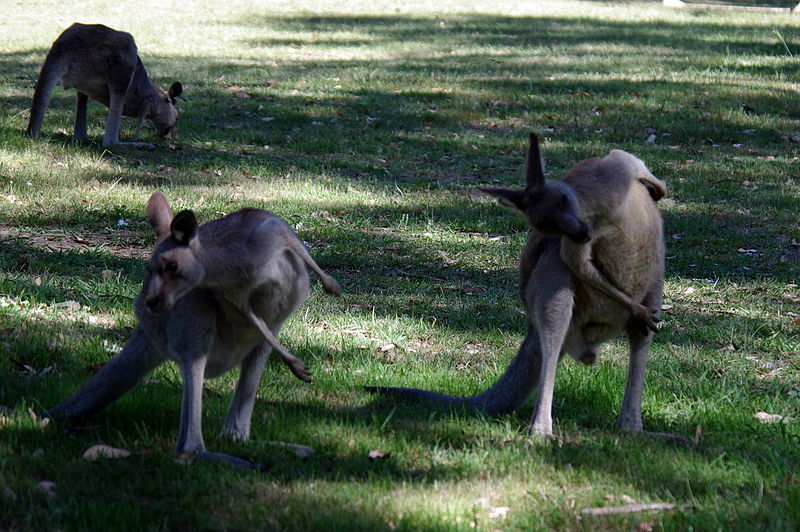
300 370
644 319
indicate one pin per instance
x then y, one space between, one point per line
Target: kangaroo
587 206
214 296
102 64
572 312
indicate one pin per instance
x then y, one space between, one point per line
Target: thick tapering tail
115 379
53 69
506 395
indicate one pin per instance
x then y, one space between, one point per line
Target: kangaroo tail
53 69
115 379
506 395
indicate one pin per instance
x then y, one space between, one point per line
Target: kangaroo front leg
140 117
297 366
578 257
237 421
552 312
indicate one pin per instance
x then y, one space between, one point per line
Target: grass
369 127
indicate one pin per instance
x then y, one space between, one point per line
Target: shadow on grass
426 138
425 132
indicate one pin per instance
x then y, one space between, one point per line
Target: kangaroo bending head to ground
577 299
214 296
102 64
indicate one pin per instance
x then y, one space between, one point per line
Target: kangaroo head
164 112
174 268
551 207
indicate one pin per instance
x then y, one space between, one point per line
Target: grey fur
204 304
569 310
102 64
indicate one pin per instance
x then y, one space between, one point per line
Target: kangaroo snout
582 236
155 304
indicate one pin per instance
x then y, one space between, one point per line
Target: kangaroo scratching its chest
214 297
592 268
102 64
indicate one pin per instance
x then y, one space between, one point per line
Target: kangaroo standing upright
576 299
102 64
214 296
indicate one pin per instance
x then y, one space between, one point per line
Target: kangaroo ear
175 90
507 197
159 215
184 227
534 171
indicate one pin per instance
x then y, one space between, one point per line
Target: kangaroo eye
170 267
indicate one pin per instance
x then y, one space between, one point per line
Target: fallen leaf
68 305
377 454
43 422
628 508
764 417
387 347
104 451
498 511
445 257
240 95
22 367
48 488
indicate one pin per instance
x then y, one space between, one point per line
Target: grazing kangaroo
214 296
570 295
102 64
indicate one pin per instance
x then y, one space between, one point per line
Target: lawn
369 126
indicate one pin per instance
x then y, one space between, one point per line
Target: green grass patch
369 127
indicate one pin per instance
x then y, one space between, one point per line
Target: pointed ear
175 90
159 215
184 227
507 196
534 171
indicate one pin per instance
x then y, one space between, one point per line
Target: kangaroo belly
223 358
